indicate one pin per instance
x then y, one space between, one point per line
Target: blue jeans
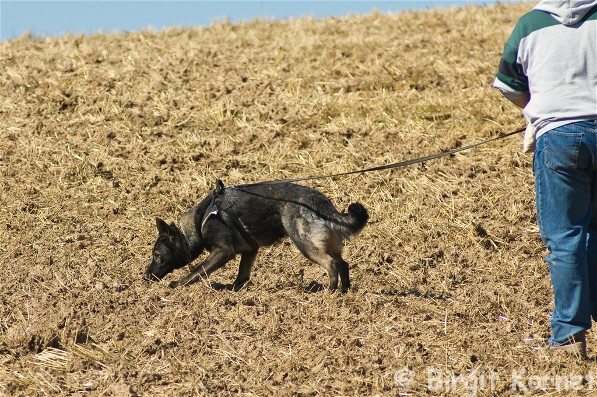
565 167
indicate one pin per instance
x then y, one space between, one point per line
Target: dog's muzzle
148 276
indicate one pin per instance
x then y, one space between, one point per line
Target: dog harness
216 208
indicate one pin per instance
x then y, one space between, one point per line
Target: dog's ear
163 228
176 234
219 186
174 231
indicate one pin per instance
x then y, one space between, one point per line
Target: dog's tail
355 220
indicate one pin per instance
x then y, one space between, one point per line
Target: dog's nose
147 276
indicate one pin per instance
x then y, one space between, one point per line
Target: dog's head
170 251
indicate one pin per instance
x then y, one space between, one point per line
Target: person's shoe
576 345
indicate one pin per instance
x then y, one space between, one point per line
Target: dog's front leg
216 259
244 270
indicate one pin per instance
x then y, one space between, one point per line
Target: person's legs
592 251
564 169
592 261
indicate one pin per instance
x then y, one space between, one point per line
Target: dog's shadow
313 287
226 287
310 288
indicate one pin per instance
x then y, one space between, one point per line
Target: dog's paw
238 285
173 284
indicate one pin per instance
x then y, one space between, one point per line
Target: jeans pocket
562 151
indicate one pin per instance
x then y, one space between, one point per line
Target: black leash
215 208
388 166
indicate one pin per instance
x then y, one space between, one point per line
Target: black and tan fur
240 219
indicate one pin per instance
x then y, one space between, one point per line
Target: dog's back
268 211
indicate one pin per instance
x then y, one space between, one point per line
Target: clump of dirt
100 134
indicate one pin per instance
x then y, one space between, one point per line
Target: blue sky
55 18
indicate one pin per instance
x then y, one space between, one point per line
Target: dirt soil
101 134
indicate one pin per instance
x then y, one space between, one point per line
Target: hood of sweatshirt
567 12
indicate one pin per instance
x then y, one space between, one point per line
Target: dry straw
100 134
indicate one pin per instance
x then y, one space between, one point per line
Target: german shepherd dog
240 219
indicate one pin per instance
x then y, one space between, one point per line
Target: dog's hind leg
216 259
320 257
334 250
244 269
343 272
320 245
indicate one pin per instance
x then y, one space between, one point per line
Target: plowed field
101 134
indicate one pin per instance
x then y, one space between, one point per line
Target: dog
239 219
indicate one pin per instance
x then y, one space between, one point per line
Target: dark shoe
576 345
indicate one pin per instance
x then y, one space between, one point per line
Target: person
549 69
